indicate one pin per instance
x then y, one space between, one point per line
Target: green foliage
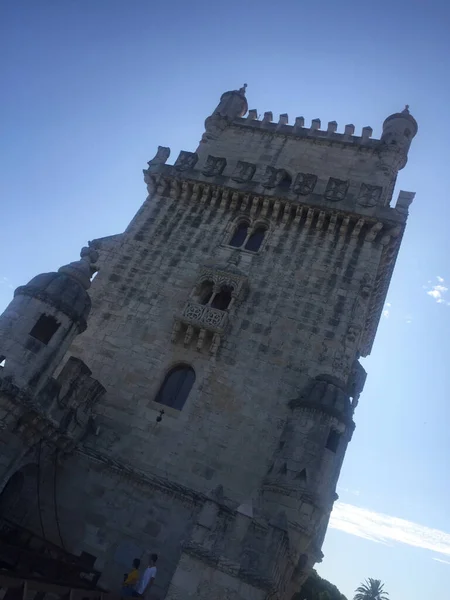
316 588
372 589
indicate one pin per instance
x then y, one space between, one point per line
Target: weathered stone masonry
262 261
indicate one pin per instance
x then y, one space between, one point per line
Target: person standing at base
130 580
147 579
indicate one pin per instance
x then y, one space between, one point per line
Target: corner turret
44 317
399 130
232 105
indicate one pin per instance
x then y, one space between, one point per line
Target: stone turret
232 105
399 130
42 320
303 475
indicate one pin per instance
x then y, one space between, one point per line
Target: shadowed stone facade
261 262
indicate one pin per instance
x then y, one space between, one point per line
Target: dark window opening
222 300
255 240
239 235
206 291
45 328
176 387
302 475
333 440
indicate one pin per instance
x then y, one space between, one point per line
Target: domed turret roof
404 114
61 291
65 290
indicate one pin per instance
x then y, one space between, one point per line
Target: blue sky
91 88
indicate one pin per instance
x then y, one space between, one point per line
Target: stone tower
226 326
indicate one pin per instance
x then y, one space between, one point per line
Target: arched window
205 293
239 235
256 239
222 300
176 386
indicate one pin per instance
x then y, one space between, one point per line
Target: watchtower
226 326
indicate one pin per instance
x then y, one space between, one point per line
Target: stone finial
405 111
349 129
315 125
242 89
332 127
366 134
252 114
404 201
160 157
268 117
299 123
83 269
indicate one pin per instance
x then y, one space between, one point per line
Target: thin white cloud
385 529
446 562
387 310
6 281
438 291
349 491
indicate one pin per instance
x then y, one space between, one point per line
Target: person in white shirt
147 579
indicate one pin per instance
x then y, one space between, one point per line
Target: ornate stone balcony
210 318
206 322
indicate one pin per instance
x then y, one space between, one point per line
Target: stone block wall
294 323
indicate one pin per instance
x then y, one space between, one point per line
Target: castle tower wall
226 326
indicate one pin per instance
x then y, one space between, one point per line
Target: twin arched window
220 300
176 387
247 238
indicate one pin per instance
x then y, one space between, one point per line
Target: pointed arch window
240 235
256 239
176 387
222 299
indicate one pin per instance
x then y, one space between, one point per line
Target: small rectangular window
333 440
45 328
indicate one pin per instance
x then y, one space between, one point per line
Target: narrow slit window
333 440
45 328
239 235
176 387
256 239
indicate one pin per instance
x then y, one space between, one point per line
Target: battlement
314 131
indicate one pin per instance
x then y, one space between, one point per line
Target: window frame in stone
333 440
183 386
252 229
45 328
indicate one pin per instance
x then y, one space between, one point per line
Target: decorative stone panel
214 166
369 195
336 189
304 184
186 161
244 171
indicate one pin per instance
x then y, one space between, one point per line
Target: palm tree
372 589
